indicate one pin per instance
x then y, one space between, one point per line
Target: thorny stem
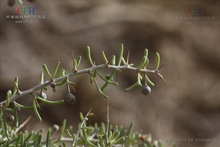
95 67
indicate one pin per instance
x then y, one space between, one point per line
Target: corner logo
25 10
194 11
25 14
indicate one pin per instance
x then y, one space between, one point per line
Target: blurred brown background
189 107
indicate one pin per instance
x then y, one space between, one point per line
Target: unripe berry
146 89
70 98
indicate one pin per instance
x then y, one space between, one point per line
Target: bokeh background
188 107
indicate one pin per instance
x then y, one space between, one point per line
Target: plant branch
83 71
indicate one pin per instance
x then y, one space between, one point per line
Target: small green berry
70 98
146 89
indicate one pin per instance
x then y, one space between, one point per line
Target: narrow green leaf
91 79
29 136
56 68
42 77
63 127
120 54
104 57
131 87
64 144
50 102
81 116
5 127
94 74
109 135
78 61
106 84
157 60
22 139
149 82
160 144
71 83
61 73
88 54
68 133
101 141
139 77
16 116
113 60
36 111
39 141
114 132
62 82
48 138
15 89
87 140
87 128
91 114
143 62
8 95
146 52
9 109
102 128
130 129
46 70
117 135
18 139
118 141
123 61
106 80
25 144
131 64
99 90
23 107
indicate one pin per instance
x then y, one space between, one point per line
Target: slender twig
22 125
107 122
83 71
77 134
